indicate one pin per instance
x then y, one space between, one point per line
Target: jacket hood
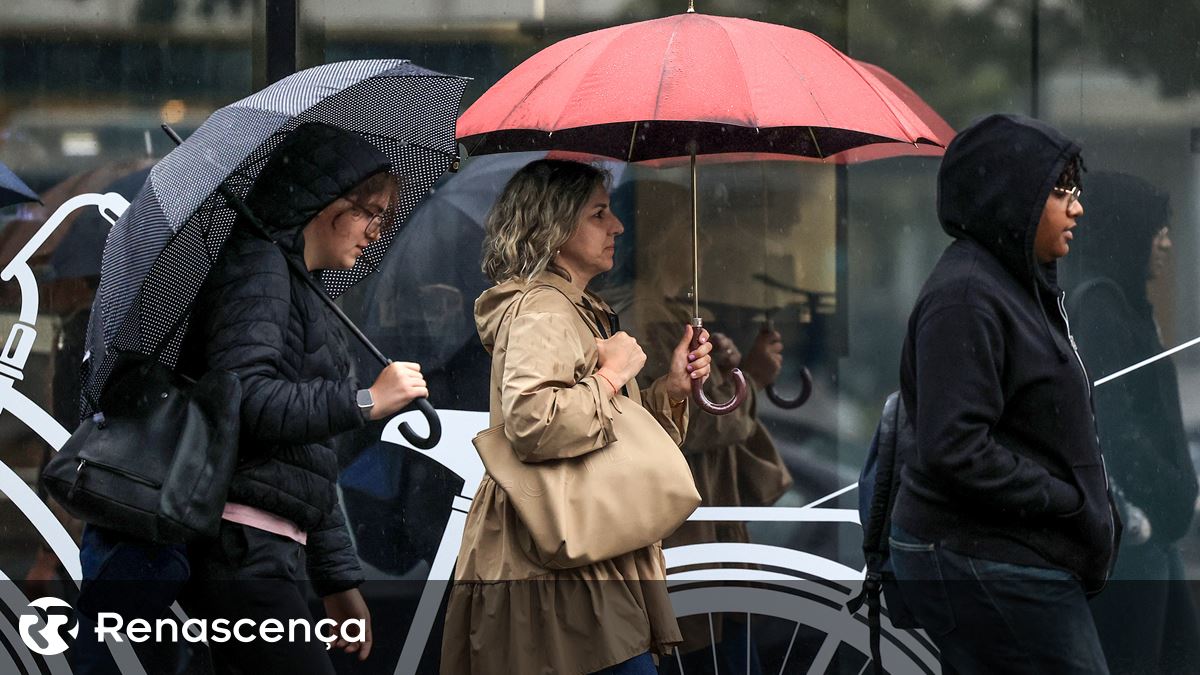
993 184
312 167
492 306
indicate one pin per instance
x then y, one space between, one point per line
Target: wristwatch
366 403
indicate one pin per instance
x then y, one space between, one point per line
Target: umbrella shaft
695 236
240 206
249 217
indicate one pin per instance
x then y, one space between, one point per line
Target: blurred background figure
1146 616
732 457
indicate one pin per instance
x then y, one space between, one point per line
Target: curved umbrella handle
431 417
739 380
806 390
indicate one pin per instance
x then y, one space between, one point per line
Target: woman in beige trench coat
553 382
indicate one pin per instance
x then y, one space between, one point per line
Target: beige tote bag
625 496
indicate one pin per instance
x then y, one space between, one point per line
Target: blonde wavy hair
535 215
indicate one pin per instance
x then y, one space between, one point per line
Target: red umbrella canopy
942 130
643 91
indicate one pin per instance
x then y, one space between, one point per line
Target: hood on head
313 166
993 183
1117 231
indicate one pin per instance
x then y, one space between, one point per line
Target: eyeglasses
374 220
1072 194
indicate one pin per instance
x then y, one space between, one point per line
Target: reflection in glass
1146 616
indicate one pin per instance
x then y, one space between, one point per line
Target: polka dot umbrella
159 253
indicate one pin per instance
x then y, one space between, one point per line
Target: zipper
117 470
78 479
1112 525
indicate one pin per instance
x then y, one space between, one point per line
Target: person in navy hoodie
1003 523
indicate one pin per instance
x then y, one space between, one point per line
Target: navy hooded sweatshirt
1007 465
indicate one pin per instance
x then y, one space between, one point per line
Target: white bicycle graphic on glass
804 589
700 581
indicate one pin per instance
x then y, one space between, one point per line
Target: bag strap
875 530
515 309
596 328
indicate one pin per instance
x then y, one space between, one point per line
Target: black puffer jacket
256 317
1007 465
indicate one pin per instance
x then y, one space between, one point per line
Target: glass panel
832 256
85 87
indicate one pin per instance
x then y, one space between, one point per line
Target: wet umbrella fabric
159 253
688 85
13 190
642 91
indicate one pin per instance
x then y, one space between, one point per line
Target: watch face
364 398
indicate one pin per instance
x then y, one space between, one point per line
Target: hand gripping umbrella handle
806 390
739 381
421 404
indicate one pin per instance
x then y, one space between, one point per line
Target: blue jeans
135 579
994 617
639 665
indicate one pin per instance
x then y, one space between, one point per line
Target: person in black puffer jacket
1003 522
322 196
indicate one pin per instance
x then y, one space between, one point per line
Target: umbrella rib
800 74
632 140
903 123
558 119
813 136
662 74
535 87
733 45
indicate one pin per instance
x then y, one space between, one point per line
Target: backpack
877 487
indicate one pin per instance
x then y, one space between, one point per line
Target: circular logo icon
42 626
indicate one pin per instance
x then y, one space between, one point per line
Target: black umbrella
159 253
13 190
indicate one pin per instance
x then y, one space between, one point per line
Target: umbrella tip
691 7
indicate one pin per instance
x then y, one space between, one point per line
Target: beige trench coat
506 614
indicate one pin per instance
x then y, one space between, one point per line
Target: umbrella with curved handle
768 325
739 380
420 404
691 84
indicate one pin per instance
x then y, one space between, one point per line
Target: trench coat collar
589 302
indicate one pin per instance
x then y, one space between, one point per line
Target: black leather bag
156 462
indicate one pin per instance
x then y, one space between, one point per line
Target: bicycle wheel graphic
791 607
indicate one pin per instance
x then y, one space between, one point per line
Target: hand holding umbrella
421 404
158 255
691 84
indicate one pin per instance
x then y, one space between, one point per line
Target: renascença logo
42 629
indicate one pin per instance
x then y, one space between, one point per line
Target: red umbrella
686 85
